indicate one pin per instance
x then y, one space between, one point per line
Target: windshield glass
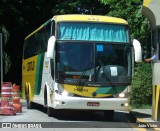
93 63
93 32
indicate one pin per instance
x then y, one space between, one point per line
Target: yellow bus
81 62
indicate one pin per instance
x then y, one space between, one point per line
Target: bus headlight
122 95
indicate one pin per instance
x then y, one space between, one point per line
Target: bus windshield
93 32
93 62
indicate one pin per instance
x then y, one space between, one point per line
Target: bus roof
93 18
82 18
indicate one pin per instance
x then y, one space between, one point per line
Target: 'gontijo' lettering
30 66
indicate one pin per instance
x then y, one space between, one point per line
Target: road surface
71 120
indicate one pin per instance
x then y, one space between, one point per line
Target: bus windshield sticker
100 48
113 71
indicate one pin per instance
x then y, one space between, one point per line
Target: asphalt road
71 119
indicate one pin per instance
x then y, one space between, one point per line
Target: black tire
49 109
28 102
109 114
45 97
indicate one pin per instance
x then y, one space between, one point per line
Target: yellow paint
141 129
92 18
28 76
153 102
140 120
146 2
157 129
34 32
157 99
83 90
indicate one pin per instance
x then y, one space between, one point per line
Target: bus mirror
51 46
137 51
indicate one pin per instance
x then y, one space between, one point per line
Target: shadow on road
87 115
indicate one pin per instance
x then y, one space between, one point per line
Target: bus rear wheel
28 102
108 114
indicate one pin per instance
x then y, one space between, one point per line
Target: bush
141 87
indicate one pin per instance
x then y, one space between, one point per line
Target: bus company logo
21 125
80 89
30 66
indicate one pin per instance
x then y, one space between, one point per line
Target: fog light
58 102
126 104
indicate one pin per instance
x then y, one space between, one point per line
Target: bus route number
76 77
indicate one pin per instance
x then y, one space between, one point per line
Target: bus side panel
29 75
44 78
39 71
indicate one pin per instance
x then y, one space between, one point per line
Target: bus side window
26 49
31 46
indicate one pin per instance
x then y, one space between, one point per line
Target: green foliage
5 33
7 62
6 58
141 87
130 10
21 17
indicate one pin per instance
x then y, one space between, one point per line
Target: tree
130 10
6 35
139 28
141 91
21 17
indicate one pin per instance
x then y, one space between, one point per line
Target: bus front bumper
67 102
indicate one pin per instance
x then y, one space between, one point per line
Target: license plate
93 104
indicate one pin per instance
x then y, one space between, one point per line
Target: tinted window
37 43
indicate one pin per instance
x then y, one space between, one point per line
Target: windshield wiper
106 76
79 81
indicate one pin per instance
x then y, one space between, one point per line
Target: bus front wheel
49 109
